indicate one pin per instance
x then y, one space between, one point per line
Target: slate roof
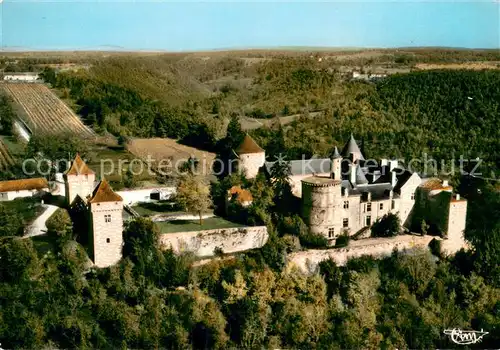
335 154
79 167
249 146
352 147
104 193
402 179
24 185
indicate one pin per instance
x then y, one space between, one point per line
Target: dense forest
155 299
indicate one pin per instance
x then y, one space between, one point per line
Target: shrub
342 240
388 226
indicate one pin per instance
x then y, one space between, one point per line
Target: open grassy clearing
194 225
114 162
167 155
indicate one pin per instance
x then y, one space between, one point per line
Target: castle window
381 206
368 220
107 218
393 204
345 222
331 232
346 204
413 196
108 240
368 207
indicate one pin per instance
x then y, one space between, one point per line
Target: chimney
352 173
346 192
391 194
383 162
369 196
457 197
445 183
392 164
393 178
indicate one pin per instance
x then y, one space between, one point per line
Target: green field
194 225
113 163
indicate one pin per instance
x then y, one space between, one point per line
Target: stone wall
308 260
203 243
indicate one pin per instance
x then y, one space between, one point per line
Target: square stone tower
78 180
106 225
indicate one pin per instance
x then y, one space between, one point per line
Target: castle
104 209
346 194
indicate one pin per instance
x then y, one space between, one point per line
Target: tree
54 153
193 194
59 225
12 224
387 226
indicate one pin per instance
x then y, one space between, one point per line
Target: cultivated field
167 155
5 157
44 112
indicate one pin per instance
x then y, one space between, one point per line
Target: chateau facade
104 210
346 194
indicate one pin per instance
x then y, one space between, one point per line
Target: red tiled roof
23 184
78 167
104 193
249 146
242 195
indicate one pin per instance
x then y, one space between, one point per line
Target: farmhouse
345 194
13 189
24 77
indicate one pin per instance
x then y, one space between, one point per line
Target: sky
206 25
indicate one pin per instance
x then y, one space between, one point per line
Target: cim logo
461 337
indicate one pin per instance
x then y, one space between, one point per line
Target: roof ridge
104 193
79 167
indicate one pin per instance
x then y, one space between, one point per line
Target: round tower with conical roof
251 157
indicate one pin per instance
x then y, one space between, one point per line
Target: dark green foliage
59 226
342 240
6 115
387 226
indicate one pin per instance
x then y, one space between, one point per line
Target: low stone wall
173 217
308 260
203 243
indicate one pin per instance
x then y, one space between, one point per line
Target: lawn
194 225
154 208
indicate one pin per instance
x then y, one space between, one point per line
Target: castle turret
336 165
321 205
251 157
106 225
78 180
351 150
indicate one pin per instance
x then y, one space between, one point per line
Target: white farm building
13 189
